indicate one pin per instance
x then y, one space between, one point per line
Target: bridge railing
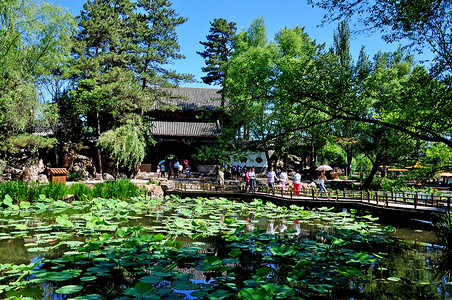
415 198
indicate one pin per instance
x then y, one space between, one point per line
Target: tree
126 144
120 68
218 49
384 146
426 22
257 76
35 43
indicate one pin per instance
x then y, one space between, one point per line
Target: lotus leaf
59 276
69 289
141 289
89 297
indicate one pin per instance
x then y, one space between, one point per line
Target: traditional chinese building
184 123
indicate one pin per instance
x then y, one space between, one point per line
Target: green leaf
69 289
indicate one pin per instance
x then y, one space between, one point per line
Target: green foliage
74 175
119 189
443 229
218 49
126 144
123 50
420 23
28 141
35 44
19 191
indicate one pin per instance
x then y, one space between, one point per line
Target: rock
155 190
107 176
69 197
42 178
165 187
143 176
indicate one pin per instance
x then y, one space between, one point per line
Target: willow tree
125 144
35 43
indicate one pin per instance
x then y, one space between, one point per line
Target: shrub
74 175
444 230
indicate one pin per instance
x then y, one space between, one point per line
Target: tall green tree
423 23
217 50
35 43
120 68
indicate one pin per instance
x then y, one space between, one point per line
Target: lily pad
69 289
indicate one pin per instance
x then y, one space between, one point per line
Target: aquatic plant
174 247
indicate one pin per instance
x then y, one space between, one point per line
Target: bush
75 176
387 184
444 230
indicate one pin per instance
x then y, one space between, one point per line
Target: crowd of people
248 175
173 168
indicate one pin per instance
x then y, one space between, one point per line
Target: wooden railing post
415 200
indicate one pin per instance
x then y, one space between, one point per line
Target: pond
200 248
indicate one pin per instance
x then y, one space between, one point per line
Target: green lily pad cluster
178 248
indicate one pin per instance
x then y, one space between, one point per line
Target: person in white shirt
283 179
271 178
321 182
221 177
296 183
252 175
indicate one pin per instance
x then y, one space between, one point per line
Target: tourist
170 169
187 171
162 170
247 179
221 177
321 182
158 171
252 175
181 168
296 183
283 179
176 169
271 175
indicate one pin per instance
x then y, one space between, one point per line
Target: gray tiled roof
195 98
183 129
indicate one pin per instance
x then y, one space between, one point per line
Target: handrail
415 199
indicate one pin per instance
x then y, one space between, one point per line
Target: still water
415 266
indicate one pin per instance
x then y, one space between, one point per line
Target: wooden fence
415 198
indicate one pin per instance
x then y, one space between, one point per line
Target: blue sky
277 15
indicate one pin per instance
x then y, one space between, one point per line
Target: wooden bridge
399 205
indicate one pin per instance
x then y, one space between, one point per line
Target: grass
19 191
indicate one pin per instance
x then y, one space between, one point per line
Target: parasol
324 167
161 162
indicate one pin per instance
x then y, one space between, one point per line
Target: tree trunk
370 178
312 164
99 155
348 169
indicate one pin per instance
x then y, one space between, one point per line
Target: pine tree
218 49
122 52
